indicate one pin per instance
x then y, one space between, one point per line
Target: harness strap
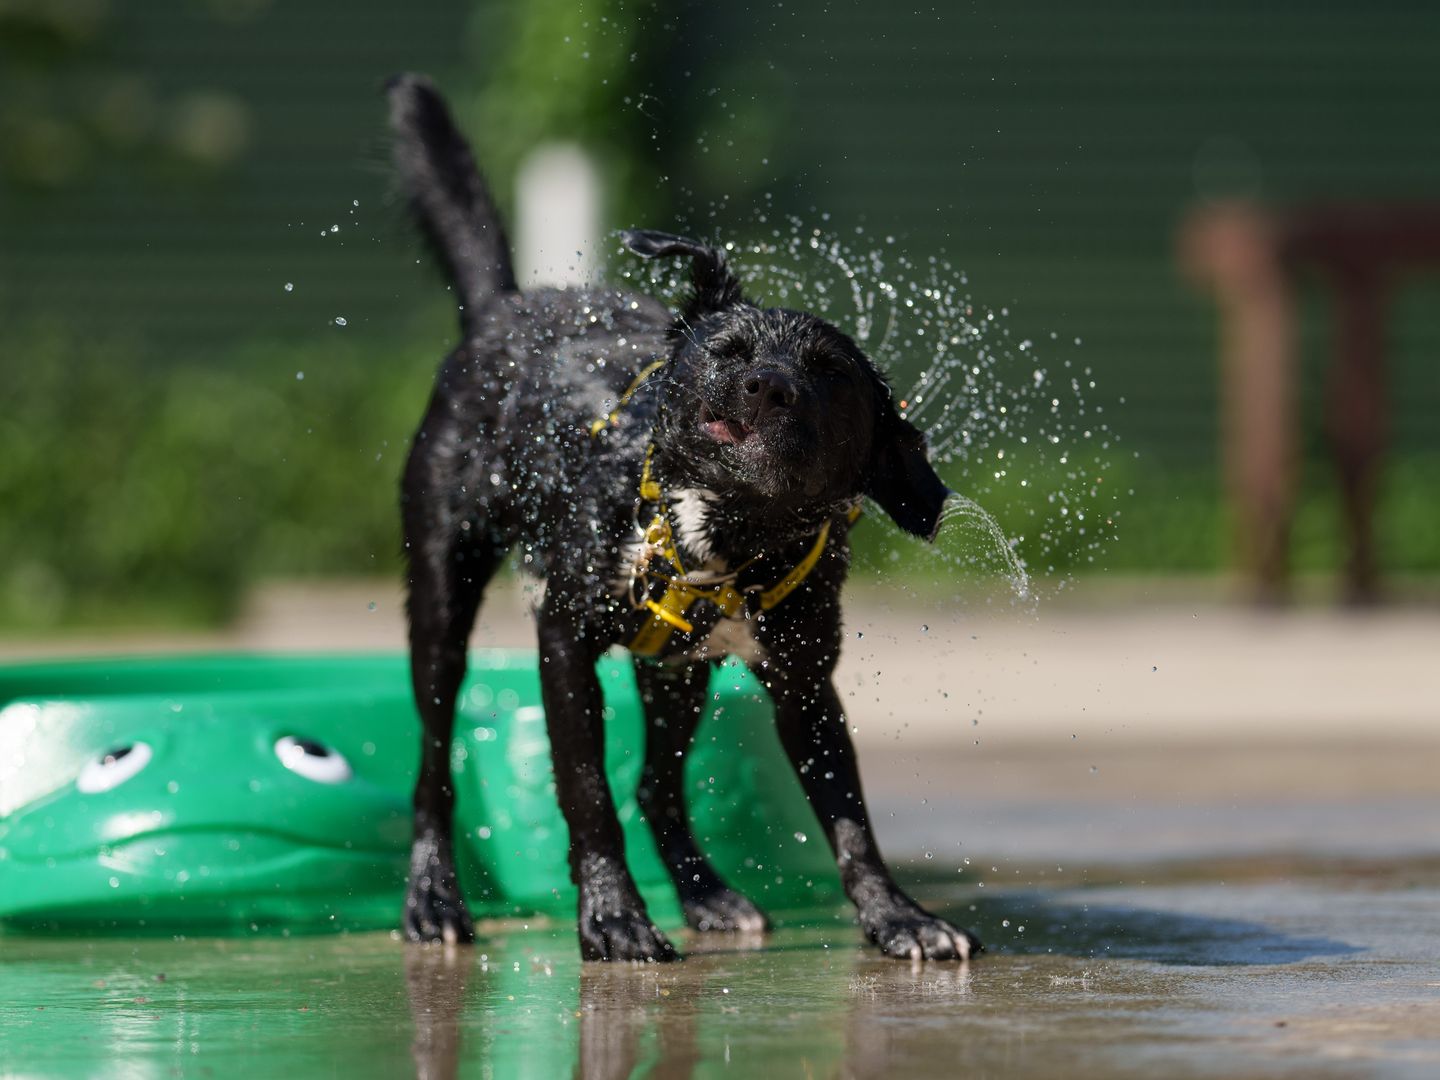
613 417
668 613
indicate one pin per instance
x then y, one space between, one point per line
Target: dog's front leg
614 924
812 729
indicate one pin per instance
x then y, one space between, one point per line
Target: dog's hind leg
674 699
447 578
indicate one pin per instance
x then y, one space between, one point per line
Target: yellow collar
668 613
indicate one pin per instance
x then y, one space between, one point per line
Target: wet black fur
504 459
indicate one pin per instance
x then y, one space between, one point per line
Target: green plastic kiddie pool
235 794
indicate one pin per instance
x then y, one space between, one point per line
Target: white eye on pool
113 768
312 760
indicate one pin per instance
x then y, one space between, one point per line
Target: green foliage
1154 519
134 493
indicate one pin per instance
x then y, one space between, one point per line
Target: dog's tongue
726 431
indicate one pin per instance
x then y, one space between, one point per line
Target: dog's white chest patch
689 511
691 508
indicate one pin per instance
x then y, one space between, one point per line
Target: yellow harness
681 593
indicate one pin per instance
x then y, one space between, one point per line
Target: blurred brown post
1360 249
1233 249
1355 419
1250 259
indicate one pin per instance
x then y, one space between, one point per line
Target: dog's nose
767 392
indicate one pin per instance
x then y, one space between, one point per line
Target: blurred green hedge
134 492
137 493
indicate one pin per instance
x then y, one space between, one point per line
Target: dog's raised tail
448 196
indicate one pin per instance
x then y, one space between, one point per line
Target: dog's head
780 405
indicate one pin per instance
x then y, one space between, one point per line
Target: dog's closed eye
729 347
828 363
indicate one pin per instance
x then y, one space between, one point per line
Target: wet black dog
696 512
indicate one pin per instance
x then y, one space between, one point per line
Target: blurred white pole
557 218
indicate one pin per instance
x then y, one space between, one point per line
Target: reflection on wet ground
1256 968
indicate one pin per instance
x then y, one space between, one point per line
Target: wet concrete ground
1259 969
1233 873
1163 915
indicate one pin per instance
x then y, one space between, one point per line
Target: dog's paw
613 921
432 915
910 933
434 908
623 935
724 910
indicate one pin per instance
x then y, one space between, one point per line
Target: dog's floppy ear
901 479
715 286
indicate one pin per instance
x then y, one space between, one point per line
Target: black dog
744 446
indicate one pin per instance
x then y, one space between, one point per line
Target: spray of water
1006 417
963 510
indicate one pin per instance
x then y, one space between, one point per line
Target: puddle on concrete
1312 970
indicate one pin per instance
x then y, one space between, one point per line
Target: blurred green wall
1050 147
171 164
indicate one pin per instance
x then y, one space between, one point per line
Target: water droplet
340 320
289 286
